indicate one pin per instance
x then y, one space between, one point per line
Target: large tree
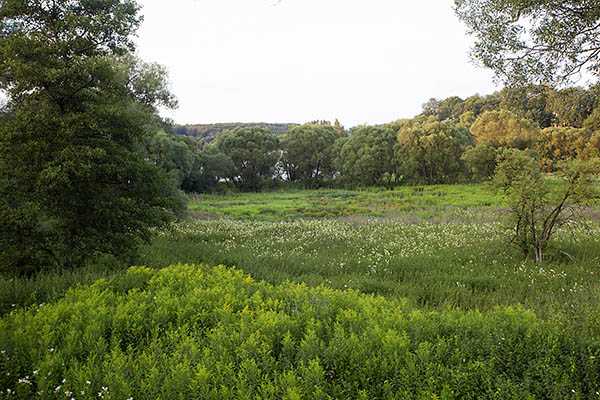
172 154
429 151
209 168
307 153
73 181
504 129
367 155
530 102
572 106
254 153
536 41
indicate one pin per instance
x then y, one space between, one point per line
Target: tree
571 106
479 104
537 41
73 181
366 155
529 102
307 153
539 207
480 161
209 167
171 154
592 122
254 153
339 128
559 144
504 129
429 151
450 108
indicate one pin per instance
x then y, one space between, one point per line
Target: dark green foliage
207 133
190 164
172 155
73 182
189 332
531 102
450 108
312 154
254 153
366 155
454 107
307 153
480 161
592 122
572 106
208 169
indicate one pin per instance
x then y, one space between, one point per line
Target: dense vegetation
208 132
452 141
73 181
192 332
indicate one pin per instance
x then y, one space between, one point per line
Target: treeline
208 132
452 140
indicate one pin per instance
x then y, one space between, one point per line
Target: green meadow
435 200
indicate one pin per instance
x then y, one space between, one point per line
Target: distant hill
208 132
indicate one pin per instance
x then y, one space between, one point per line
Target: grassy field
440 250
418 201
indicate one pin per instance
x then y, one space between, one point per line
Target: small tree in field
540 205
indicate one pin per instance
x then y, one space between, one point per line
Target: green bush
194 332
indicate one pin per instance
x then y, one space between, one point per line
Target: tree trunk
539 254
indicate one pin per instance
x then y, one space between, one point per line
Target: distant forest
208 132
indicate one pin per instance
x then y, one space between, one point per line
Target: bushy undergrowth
213 333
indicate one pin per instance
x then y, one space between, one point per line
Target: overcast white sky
362 61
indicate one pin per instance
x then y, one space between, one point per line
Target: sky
360 61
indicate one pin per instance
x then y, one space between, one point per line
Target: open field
435 254
417 201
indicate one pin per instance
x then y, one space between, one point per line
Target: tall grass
435 266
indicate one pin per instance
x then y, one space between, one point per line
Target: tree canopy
254 153
535 41
429 151
73 181
367 155
307 153
504 129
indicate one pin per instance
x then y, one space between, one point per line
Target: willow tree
73 182
535 41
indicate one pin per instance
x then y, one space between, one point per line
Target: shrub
537 207
193 332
